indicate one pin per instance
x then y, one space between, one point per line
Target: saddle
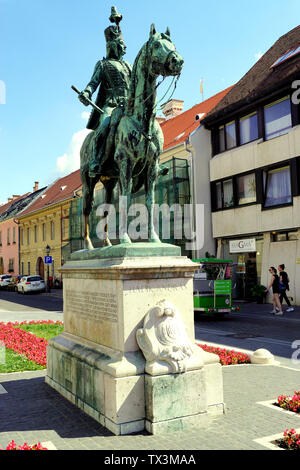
106 156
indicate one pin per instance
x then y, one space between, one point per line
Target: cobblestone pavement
31 411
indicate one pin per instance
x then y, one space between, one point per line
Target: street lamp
48 249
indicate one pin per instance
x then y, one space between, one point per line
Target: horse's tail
85 151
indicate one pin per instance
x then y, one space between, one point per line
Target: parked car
31 284
4 280
13 282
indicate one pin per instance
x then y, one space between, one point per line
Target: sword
88 100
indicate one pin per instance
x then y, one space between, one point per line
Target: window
28 268
11 263
28 236
8 236
277 186
22 268
288 55
246 188
284 236
292 235
35 233
278 118
230 135
22 236
222 139
0 238
228 193
248 128
227 137
14 234
44 231
219 199
223 194
52 230
65 228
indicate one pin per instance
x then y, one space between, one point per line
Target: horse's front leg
150 200
125 181
88 191
109 185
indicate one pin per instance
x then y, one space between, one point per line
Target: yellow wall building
46 222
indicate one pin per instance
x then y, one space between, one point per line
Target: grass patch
15 362
43 330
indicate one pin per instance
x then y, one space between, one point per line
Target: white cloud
258 55
70 161
85 115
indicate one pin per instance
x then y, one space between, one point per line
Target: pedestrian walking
276 291
284 279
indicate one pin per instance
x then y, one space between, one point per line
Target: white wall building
255 169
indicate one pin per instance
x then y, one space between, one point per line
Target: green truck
213 286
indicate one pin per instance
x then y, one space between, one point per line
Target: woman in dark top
284 278
276 291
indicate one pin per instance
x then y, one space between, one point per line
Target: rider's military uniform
113 76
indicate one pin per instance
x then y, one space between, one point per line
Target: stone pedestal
97 362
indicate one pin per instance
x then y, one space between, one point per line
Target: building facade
9 230
9 237
186 139
255 170
46 224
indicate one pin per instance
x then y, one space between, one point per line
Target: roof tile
261 77
177 129
56 192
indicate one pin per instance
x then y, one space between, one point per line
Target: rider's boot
95 169
95 165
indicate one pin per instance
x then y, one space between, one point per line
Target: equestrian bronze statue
126 140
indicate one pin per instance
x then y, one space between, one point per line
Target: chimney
36 186
15 196
172 108
9 199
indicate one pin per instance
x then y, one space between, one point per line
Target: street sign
48 259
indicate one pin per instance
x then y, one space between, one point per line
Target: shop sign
222 287
242 246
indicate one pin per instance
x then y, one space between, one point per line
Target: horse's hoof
125 239
107 242
88 245
154 238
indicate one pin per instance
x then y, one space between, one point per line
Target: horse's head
164 59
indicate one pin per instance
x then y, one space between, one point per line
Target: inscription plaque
98 306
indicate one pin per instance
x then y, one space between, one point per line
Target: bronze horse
138 142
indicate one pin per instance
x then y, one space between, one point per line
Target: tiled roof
19 204
261 79
58 191
8 204
177 129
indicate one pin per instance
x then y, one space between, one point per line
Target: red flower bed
23 342
291 440
227 357
289 403
13 446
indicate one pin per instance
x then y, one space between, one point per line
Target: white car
5 280
31 284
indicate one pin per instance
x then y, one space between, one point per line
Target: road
38 306
250 329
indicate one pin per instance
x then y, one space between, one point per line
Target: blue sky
46 46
